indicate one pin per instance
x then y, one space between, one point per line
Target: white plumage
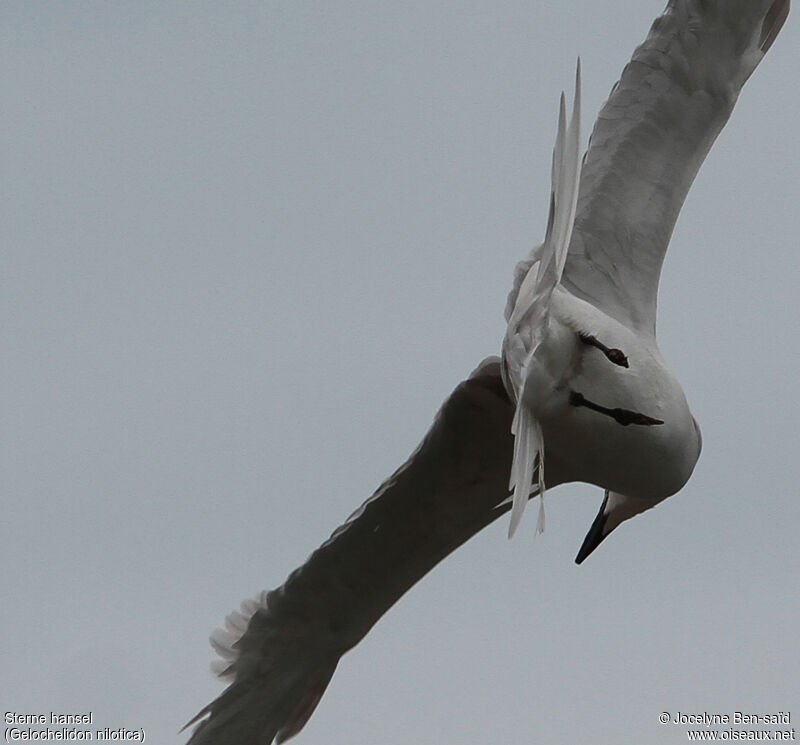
581 380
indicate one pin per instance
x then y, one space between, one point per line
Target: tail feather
531 313
528 447
567 178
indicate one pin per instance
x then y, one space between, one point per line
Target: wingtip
773 22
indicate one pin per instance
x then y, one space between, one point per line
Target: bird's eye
617 356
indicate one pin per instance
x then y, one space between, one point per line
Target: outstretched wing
283 648
649 141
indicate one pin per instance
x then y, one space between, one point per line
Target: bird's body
595 401
644 461
581 383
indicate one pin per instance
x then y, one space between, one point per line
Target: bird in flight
580 392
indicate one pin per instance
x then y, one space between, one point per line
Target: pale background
248 249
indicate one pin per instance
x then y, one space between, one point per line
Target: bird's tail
531 311
528 450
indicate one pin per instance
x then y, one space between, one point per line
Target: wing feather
650 139
282 648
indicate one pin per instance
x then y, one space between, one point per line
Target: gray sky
248 249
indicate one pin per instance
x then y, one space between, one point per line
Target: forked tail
527 326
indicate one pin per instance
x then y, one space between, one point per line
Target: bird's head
617 508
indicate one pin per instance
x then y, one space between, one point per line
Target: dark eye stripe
617 356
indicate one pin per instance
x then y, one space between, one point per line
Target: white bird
581 380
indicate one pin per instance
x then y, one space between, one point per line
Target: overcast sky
249 248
